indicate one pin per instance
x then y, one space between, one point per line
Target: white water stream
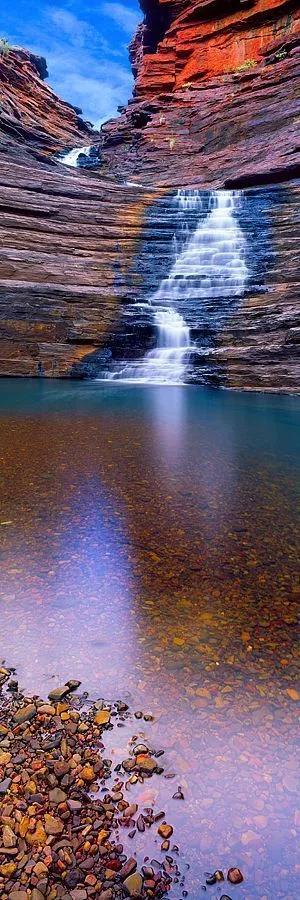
71 157
208 264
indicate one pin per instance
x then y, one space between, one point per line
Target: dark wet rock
128 869
235 876
73 878
140 824
128 765
211 878
59 693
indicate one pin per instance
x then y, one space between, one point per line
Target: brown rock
165 831
134 884
8 869
87 773
235 876
38 836
102 717
8 837
25 714
57 796
59 693
146 763
128 868
20 895
53 825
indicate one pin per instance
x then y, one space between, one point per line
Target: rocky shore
63 807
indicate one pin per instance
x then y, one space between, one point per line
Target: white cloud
126 18
85 66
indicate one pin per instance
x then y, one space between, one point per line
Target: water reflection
152 552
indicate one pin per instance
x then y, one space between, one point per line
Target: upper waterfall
71 158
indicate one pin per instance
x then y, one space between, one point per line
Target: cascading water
71 158
209 264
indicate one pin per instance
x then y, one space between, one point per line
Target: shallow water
149 548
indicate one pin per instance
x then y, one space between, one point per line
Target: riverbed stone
8 837
57 796
134 884
25 714
102 717
235 876
59 693
165 831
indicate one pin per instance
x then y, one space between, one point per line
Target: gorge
214 106
149 453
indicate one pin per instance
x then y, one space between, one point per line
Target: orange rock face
216 95
183 43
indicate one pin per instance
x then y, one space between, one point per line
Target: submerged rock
235 876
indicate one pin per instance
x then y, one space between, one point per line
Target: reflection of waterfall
208 264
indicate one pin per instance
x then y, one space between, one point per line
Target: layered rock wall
78 246
190 40
31 114
217 94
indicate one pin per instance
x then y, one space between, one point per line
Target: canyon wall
215 103
217 91
31 114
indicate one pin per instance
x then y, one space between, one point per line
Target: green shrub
280 54
248 64
5 47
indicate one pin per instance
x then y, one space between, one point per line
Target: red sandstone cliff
217 91
186 41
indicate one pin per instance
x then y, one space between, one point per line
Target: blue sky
85 45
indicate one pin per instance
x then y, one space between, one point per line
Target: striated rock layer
216 96
79 248
31 114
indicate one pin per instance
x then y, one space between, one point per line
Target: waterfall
209 263
72 156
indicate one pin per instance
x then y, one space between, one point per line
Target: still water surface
149 548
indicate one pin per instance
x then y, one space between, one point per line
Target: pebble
128 869
102 717
8 837
165 831
134 884
25 714
59 693
57 796
235 876
146 764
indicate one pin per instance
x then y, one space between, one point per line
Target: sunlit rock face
215 94
184 41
